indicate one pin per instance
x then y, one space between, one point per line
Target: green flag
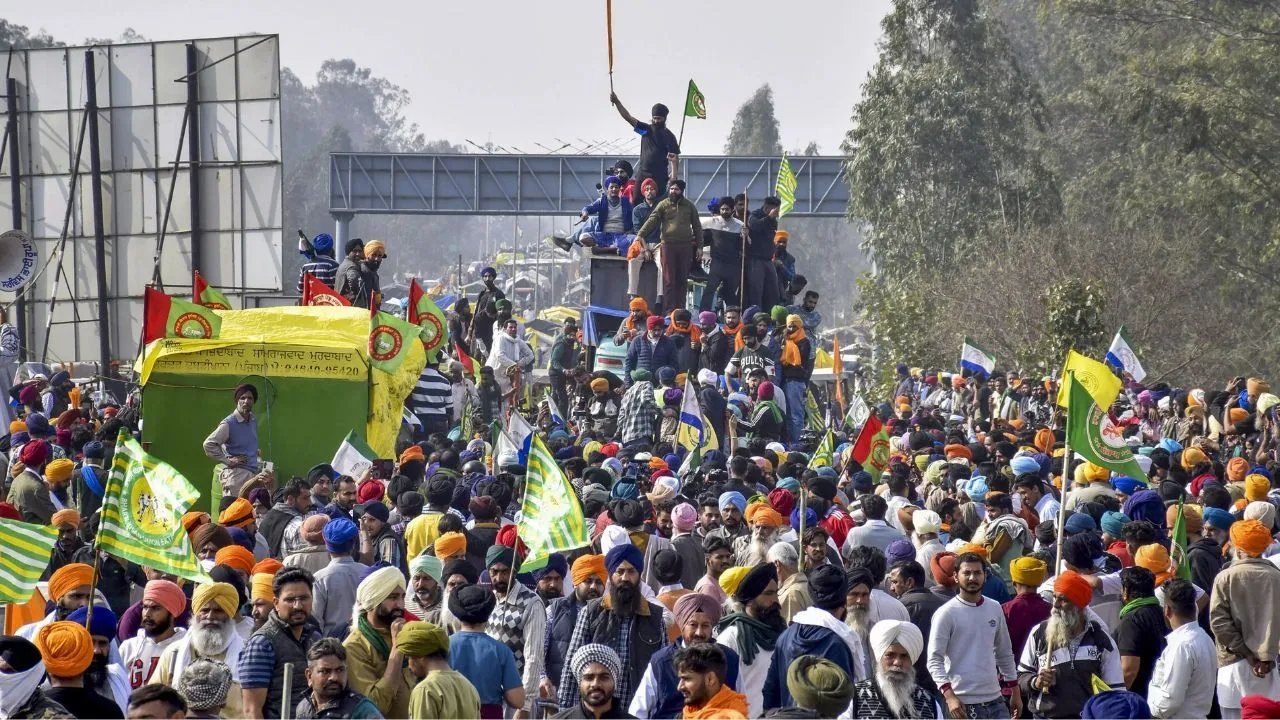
695 104
1182 562
824 456
550 515
142 512
389 338
812 413
25 557
1091 432
424 313
786 188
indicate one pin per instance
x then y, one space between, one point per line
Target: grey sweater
959 642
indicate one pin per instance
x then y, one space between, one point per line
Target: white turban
377 587
888 632
926 522
707 376
612 537
1263 511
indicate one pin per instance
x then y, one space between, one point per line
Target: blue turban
487 270
104 621
810 518
340 535
241 538
1113 523
555 563
826 471
714 459
467 456
976 488
626 489
714 205
1116 704
322 242
567 452
1078 522
1127 485
1218 519
626 552
1024 465
612 180
1255 470
862 481
1173 446
789 483
1146 505
732 498
666 374
1045 462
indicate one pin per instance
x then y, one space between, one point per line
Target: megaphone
18 259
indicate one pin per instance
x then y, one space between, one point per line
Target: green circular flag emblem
192 325
148 518
432 332
385 343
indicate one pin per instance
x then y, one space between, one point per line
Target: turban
926 522
1250 537
1024 465
943 568
1192 457
782 500
66 517
653 322
238 514
1263 511
262 587
66 647
237 557
755 581
1116 704
1080 550
420 639
222 594
1079 522
626 552
1218 519
372 246
1126 485
596 653
972 548
378 586
313 528
17 426
459 566
896 632
451 544
195 519
1191 518
210 533
638 303
589 566
899 551
246 388
955 450
732 498
103 624
471 604
1095 473
340 535
1155 558
370 491
1256 386
1145 505
167 595
599 385
59 470
691 604
1255 487
762 514
823 488
270 566
828 587
500 555
684 516
730 579
789 483
34 453
68 578
555 563
375 509
1113 523
1074 588
1237 468
817 684
428 565
1027 570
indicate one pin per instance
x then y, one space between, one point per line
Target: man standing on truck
658 147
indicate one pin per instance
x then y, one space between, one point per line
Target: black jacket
760 231
921 604
716 351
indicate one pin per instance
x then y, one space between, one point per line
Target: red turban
782 501
1074 588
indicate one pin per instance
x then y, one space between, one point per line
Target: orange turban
1191 516
450 544
270 566
68 517
1156 559
1192 457
194 519
59 470
413 452
973 548
66 647
763 514
1235 415
1250 537
1074 588
588 566
237 557
68 578
1044 440
238 514
955 450
1237 469
638 303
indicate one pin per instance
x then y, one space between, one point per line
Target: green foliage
19 36
755 127
1073 319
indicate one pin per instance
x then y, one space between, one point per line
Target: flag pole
608 19
1066 476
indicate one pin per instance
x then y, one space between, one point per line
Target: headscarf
1073 587
420 639
238 514
587 566
167 595
890 632
66 647
817 684
236 557
222 594
691 604
68 578
1250 537
595 653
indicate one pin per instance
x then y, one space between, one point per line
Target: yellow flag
1097 378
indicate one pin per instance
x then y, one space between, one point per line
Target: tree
755 128
19 36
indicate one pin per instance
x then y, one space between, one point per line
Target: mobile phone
269 466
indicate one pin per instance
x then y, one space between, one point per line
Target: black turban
828 587
458 566
755 581
628 513
823 487
660 110
471 604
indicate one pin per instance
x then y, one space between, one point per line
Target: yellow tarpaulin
822 359
314 342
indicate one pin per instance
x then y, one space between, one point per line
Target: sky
517 74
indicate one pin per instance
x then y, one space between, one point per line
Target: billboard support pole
193 149
99 233
15 204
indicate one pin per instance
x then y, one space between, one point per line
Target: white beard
758 550
210 641
1063 627
859 620
896 691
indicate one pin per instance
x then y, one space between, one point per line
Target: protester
487 663
67 650
695 617
375 663
162 602
286 638
1244 611
212 636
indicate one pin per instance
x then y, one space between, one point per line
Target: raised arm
613 98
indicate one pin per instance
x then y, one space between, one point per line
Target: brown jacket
1244 613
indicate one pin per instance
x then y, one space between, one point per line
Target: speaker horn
18 258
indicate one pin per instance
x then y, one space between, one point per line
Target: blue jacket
600 208
800 639
663 668
644 355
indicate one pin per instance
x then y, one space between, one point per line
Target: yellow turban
1250 537
451 544
420 639
66 647
1096 473
68 578
262 588
1192 457
66 517
59 470
762 514
220 593
730 579
372 245
1156 559
1255 488
1028 570
17 426
588 566
599 385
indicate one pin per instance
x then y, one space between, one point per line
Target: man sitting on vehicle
614 229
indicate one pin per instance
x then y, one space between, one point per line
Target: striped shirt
324 269
432 398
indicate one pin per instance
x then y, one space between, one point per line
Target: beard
624 597
386 617
96 675
896 687
758 550
210 639
859 619
1064 625
549 594
155 629
772 616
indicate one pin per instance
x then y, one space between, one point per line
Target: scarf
823 619
16 688
693 332
724 705
90 475
1139 603
791 349
771 406
752 635
374 637
734 334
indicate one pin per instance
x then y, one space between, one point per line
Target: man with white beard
1081 649
212 635
893 692
858 610
753 549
